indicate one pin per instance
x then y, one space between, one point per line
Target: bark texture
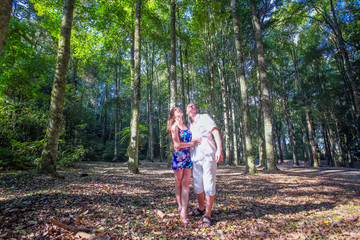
173 84
49 155
267 111
248 152
134 137
5 15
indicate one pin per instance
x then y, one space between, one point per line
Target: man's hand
219 156
219 152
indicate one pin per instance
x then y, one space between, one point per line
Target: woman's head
175 113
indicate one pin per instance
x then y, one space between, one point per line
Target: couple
202 160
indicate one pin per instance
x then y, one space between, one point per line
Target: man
205 158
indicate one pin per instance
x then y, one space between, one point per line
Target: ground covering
110 203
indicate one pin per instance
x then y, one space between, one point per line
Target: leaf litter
110 203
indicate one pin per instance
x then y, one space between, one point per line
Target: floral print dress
181 158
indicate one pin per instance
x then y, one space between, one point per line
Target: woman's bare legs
178 186
185 191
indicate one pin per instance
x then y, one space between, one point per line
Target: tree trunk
260 127
328 155
211 71
344 54
150 112
291 133
132 65
105 115
149 103
187 76
309 133
183 99
221 65
173 84
161 144
279 143
117 108
229 117
49 155
134 125
234 121
248 145
267 111
5 15
339 144
332 147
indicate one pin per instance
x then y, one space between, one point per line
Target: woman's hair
170 121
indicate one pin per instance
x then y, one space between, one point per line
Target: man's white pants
204 175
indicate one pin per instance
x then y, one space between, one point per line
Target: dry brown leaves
296 203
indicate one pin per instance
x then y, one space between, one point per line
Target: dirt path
295 203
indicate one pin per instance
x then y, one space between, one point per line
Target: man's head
191 109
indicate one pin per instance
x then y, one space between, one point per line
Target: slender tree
183 97
267 111
49 155
134 125
173 82
249 152
117 105
5 14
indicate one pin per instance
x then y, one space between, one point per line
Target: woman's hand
197 141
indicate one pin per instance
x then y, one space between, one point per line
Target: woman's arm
176 139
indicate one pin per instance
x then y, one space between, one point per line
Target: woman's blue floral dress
181 158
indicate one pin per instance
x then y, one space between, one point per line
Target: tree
267 111
49 155
249 152
134 138
5 14
173 82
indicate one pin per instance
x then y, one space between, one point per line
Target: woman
181 163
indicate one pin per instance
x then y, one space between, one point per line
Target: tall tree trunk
260 127
267 111
228 113
309 133
187 82
49 155
183 97
105 115
339 143
173 84
248 145
132 65
150 112
290 128
317 151
161 141
134 125
285 148
5 15
328 154
211 71
332 146
281 157
117 107
221 66
345 56
234 120
187 76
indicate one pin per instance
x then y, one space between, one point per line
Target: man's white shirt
201 128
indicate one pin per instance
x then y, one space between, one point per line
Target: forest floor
110 203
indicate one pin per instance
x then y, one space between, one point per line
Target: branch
69 228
